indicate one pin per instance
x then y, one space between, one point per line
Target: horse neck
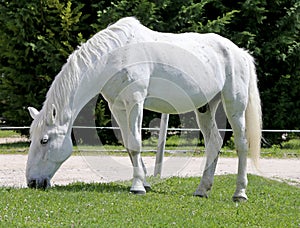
93 78
82 77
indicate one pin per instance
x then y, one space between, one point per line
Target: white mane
79 61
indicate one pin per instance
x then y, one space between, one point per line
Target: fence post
161 144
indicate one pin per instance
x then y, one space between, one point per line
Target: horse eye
44 140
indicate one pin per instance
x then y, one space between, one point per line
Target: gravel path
111 168
13 140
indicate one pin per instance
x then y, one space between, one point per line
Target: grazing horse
135 68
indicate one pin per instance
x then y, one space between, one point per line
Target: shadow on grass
224 186
93 187
167 186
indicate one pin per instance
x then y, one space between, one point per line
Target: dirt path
112 168
13 140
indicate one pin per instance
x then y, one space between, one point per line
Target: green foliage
292 144
170 204
278 56
36 38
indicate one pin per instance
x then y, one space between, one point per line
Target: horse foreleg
213 143
134 115
146 184
138 174
131 141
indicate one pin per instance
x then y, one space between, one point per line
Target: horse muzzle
39 183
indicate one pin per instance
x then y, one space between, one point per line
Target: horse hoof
147 186
239 199
201 195
138 192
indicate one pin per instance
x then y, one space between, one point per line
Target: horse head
50 146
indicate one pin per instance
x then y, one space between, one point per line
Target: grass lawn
169 204
290 149
8 134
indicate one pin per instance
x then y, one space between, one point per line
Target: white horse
134 67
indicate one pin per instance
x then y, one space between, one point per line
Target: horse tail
253 115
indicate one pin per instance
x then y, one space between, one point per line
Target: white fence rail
156 129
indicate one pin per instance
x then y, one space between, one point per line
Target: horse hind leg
242 149
236 116
213 142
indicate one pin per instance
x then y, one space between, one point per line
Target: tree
270 31
36 38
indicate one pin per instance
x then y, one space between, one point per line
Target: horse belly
174 91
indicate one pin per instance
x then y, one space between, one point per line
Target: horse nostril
41 184
32 184
45 184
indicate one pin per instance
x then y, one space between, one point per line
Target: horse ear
53 114
33 112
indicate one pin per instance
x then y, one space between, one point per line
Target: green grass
8 134
289 149
275 152
14 148
169 204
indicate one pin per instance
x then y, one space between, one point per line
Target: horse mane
82 59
